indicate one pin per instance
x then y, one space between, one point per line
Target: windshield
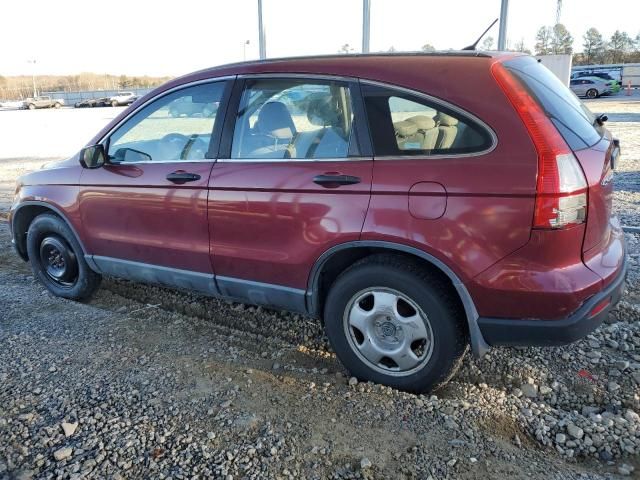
575 122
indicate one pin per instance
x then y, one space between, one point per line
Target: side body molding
478 344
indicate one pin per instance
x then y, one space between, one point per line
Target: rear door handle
334 181
182 177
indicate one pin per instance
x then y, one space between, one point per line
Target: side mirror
130 155
93 156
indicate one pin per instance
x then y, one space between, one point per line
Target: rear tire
57 105
114 104
392 322
57 259
592 93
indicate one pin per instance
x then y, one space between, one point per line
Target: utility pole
244 50
558 11
262 40
502 34
366 24
33 77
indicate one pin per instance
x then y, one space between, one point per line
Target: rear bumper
513 332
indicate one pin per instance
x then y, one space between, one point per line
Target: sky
145 37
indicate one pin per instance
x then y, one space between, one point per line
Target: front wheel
31 106
592 93
114 103
392 322
57 259
57 105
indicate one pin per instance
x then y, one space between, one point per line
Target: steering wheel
184 146
174 138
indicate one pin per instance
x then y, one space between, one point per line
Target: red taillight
561 188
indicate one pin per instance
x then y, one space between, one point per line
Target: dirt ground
166 384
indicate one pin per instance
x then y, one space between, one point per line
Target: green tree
427 47
561 40
487 43
619 45
543 41
593 45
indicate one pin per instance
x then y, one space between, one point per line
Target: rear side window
402 124
286 119
572 118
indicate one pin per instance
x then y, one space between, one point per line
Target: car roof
340 64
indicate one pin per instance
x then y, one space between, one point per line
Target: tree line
619 48
19 87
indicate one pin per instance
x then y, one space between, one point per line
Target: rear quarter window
403 124
571 117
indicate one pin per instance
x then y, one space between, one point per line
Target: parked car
122 98
411 215
90 102
43 102
184 107
592 87
602 75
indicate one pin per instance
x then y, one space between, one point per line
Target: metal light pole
262 40
366 21
33 77
502 34
244 50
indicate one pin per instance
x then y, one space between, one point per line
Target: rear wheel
391 322
592 93
114 103
57 105
57 259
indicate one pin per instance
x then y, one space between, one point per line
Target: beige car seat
426 129
447 130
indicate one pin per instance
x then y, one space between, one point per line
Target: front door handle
335 180
180 177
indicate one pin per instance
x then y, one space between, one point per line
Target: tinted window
293 119
405 124
177 126
572 118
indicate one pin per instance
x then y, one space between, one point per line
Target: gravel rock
69 428
62 453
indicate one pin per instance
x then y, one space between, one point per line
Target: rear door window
403 124
283 119
574 121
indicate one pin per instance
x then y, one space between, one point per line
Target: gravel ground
149 382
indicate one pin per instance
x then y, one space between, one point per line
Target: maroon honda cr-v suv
417 203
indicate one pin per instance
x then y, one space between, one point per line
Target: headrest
320 112
275 120
405 128
446 120
422 122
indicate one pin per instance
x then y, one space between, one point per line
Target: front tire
392 322
57 259
114 104
57 105
31 106
592 93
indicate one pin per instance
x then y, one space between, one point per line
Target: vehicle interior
291 119
157 132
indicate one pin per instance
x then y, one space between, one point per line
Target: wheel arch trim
59 213
478 344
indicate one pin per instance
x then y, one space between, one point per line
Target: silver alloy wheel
388 331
